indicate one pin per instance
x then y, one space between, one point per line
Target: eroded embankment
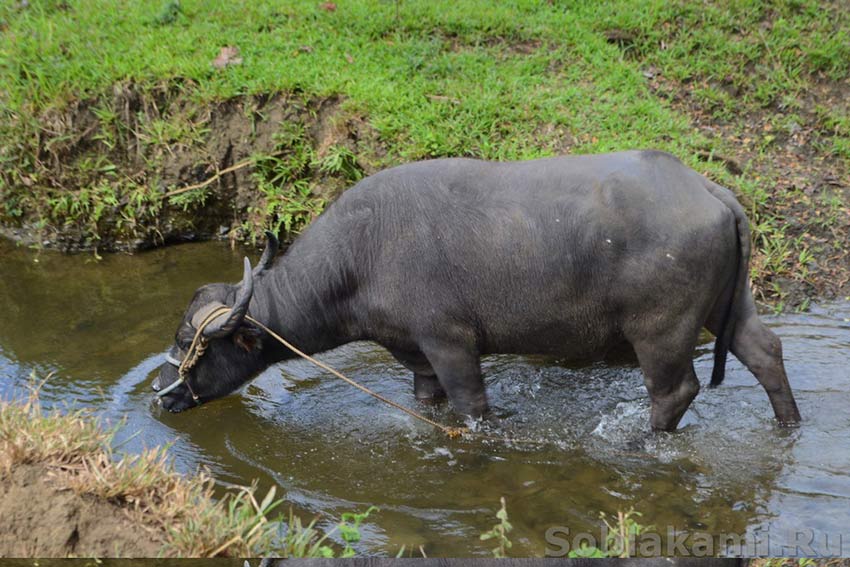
144 166
64 492
40 518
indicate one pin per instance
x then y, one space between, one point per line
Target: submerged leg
458 369
672 386
667 364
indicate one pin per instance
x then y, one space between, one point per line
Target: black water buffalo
444 261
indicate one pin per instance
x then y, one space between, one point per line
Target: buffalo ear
247 338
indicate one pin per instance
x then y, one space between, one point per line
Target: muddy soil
40 519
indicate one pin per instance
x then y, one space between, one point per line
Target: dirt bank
65 492
39 518
114 172
145 166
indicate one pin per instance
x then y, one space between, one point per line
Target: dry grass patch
178 512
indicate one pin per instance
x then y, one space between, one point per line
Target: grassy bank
65 491
108 108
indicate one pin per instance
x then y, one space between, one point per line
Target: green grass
461 51
766 51
506 81
510 67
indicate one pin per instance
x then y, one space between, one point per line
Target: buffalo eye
247 338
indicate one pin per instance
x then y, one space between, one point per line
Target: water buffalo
444 261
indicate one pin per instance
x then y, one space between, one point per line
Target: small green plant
303 541
349 529
307 541
499 532
782 297
109 122
620 536
342 161
587 552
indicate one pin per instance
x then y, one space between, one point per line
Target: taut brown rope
451 432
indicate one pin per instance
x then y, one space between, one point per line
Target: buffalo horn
221 327
268 254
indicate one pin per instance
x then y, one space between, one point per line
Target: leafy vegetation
106 109
620 537
499 533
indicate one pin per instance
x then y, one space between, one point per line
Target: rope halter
203 317
210 315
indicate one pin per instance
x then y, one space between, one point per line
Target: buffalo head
232 346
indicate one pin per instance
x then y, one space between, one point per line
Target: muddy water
102 327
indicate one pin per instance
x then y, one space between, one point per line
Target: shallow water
102 328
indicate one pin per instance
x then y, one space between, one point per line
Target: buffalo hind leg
670 379
458 369
426 386
761 352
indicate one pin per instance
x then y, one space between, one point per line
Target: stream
100 328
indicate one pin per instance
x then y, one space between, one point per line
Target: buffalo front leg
458 370
670 380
